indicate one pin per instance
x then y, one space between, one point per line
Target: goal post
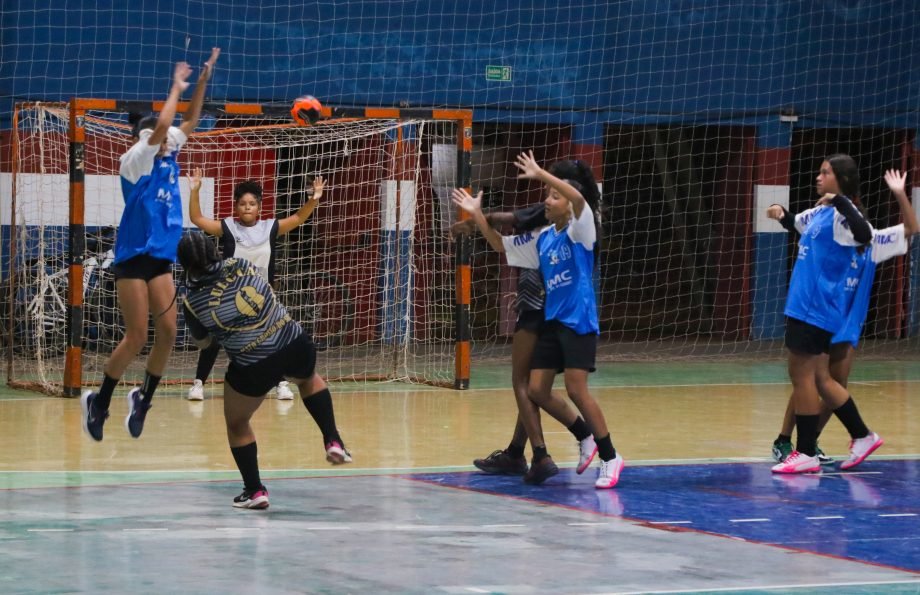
373 274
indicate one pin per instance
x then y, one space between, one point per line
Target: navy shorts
809 339
559 348
142 266
295 360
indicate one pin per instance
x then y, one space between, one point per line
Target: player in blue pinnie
886 244
148 236
564 254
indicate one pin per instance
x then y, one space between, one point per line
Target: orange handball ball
306 110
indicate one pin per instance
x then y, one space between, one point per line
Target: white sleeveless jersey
254 243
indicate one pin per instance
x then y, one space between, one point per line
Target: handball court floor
696 510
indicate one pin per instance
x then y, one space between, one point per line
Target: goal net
371 274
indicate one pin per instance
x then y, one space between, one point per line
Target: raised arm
303 213
168 113
473 206
532 171
206 224
193 114
896 183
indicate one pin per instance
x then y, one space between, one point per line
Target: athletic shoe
781 450
284 393
336 453
823 458
196 392
257 500
862 448
798 463
587 449
609 473
501 463
92 417
137 413
541 471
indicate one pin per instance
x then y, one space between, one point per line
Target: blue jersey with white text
566 260
827 252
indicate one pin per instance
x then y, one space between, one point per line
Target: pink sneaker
587 449
609 473
257 500
862 448
797 462
336 453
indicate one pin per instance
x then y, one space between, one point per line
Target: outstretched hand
181 74
775 212
528 166
208 67
194 179
896 180
319 184
462 199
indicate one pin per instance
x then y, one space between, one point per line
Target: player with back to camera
231 303
886 243
564 254
245 236
145 249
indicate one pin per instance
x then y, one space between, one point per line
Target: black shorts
802 337
142 266
295 360
529 320
559 348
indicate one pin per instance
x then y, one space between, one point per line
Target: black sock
783 438
514 451
579 429
247 461
849 416
104 398
605 449
807 428
206 359
150 386
539 453
320 407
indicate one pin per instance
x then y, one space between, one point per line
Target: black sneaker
501 463
823 458
137 413
257 500
541 471
93 419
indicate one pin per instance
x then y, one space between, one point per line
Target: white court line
49 530
587 524
748 520
899 514
748 588
822 518
477 590
850 473
670 522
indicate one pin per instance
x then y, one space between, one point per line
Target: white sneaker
609 473
587 449
284 393
797 462
862 448
196 392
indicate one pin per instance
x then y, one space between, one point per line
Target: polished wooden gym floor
410 515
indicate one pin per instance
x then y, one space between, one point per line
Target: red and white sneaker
797 462
587 449
336 453
609 473
862 448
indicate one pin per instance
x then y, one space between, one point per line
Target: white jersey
255 243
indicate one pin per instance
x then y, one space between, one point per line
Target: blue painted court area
871 515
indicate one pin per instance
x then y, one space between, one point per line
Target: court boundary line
766 588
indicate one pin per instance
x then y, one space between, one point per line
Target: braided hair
198 256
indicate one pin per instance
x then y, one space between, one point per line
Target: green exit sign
498 73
